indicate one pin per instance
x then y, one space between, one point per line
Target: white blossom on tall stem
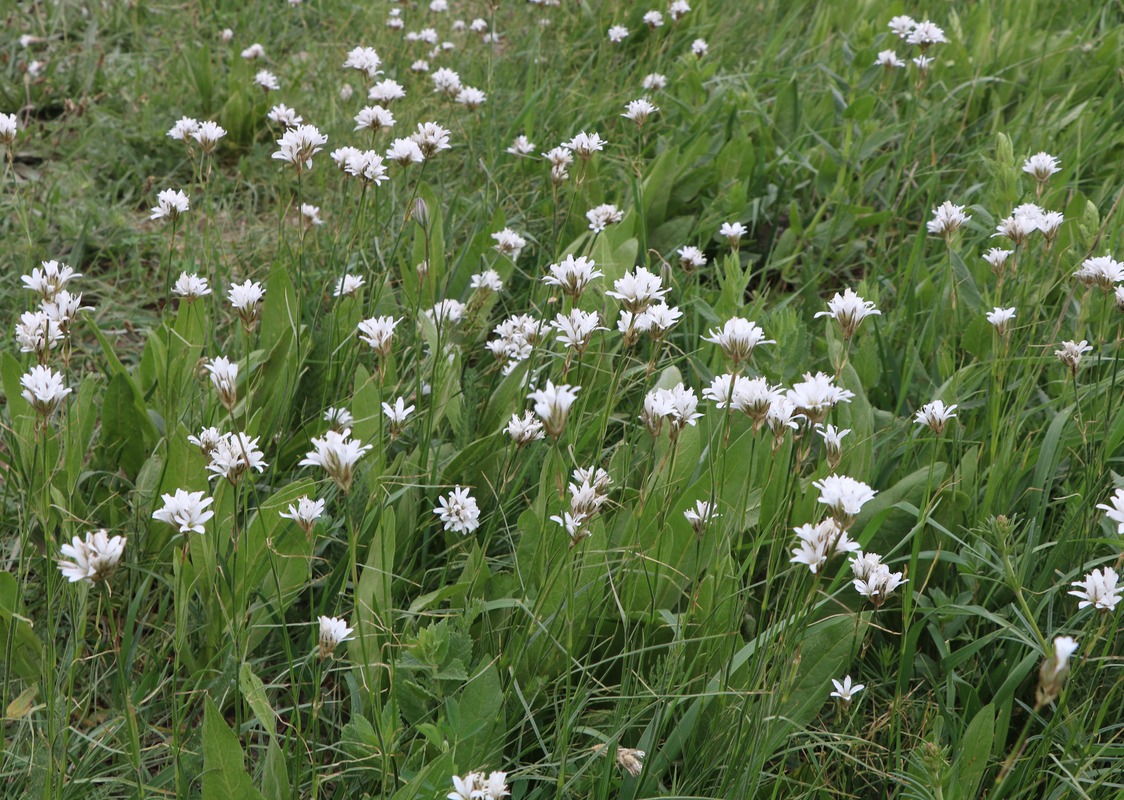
50 279
902 26
844 497
947 219
1041 166
1098 590
522 146
186 511
458 511
552 405
833 443
849 310
509 243
639 110
817 543
333 633
267 81
638 289
874 581
733 233
1114 510
246 300
298 145
1102 272
170 204
1071 352
348 285
284 116
617 33
337 454
845 691
9 129
37 332
600 217
191 287
701 515
1054 670
817 394
1000 319
305 512
183 130
888 59
576 329
572 275
93 559
584 145
691 258
431 138
224 376
397 415
378 332
935 415
43 389
524 429
208 134
234 455
386 91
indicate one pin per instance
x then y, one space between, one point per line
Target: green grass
193 670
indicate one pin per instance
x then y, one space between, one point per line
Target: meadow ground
561 399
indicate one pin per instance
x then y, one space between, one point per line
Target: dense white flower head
208 135
338 419
93 559
654 82
405 152
733 232
522 146
923 63
207 440
602 216
348 285
378 332
50 279
738 338
816 395
572 275
184 130
446 80
584 145
1103 272
509 243
1018 227
724 389
38 332
845 690
844 497
63 308
947 219
691 257
311 214
446 311
1041 166
874 580
924 34
374 119
996 258
516 336
1064 648
817 543
552 405
888 59
477 786
191 287
224 376
234 455
1071 352
1000 319
1099 590
304 512
386 91
227 35
186 511
617 34
902 26
43 389
9 128
267 80
284 116
333 633
833 443
489 281
245 299
701 515
298 145
1114 510
458 511
170 203
577 328
253 51
365 60
849 310
677 406
639 110
431 138
638 289
935 415
653 19
337 454
524 429
699 48
397 414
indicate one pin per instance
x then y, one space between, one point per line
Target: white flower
845 690
337 454
363 59
878 584
183 130
374 119
450 311
638 289
49 280
1098 590
997 258
1049 224
298 145
235 454
947 218
524 430
267 80
284 116
1064 648
378 332
1000 318
191 287
431 138
924 34
1041 166
902 26
253 51
700 48
43 389
585 145
94 559
37 332
207 440
816 395
1115 512
1017 227
509 243
936 415
208 135
446 80
170 204
691 257
522 146
573 275
9 127
819 542
489 281
849 310
338 419
833 443
724 388
227 35
224 376
577 328
552 405
304 512
333 632
348 285
1103 272
617 34
602 216
405 152
186 511
246 299
1071 352
386 91
346 92
844 497
678 406
311 214
888 59
420 65
458 511
738 338
701 516
654 82
653 19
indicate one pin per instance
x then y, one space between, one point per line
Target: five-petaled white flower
845 690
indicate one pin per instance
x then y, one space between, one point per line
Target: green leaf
975 749
275 775
253 691
224 776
